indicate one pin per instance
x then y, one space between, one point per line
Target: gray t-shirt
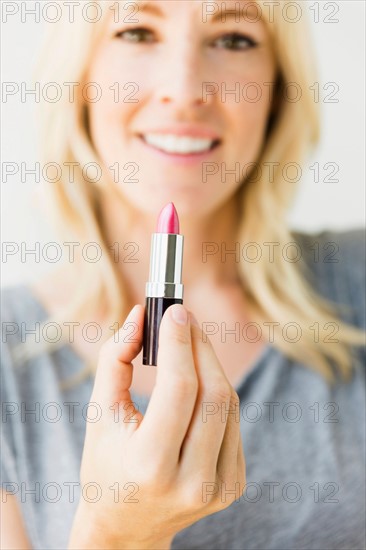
304 441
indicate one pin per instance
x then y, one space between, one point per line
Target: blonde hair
275 291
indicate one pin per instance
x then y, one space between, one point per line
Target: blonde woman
267 352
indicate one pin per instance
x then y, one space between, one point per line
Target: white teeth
177 144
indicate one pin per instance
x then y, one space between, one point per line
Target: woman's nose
183 83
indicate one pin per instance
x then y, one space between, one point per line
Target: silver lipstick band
166 258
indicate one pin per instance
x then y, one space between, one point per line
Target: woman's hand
159 473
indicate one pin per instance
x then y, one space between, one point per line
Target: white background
341 58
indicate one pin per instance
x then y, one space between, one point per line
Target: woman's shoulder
333 246
28 365
39 298
21 318
341 252
335 263
20 311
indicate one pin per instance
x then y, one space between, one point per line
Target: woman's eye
236 42
135 35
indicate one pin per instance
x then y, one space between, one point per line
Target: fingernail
193 319
132 311
179 314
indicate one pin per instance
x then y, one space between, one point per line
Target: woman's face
185 100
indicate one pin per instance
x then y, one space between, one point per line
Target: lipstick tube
163 289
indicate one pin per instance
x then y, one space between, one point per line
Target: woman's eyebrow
244 11
148 7
223 14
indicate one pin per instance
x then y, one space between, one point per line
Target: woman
160 452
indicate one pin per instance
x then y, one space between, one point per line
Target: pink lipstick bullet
168 221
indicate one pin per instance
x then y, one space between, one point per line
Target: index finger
113 376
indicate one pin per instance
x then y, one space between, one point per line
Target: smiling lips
183 139
181 145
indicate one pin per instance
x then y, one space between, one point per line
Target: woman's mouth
184 146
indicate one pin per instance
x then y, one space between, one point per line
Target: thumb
175 348
113 376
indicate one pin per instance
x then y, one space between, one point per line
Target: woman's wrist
90 542
87 534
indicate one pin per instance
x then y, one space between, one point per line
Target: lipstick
164 287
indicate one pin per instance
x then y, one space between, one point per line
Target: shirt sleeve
353 246
343 264
9 406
